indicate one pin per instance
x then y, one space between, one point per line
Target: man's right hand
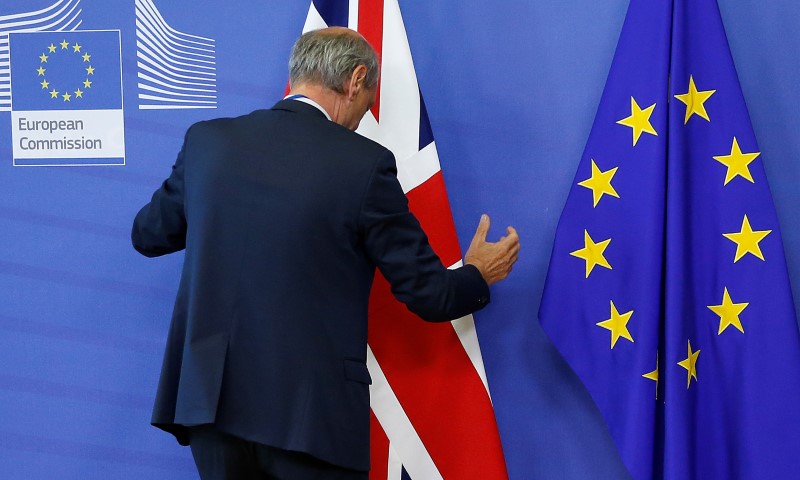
493 260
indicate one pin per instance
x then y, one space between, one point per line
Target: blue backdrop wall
511 89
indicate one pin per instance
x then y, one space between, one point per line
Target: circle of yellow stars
52 50
747 239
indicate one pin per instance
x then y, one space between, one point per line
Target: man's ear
357 81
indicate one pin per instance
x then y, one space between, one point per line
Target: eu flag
667 291
73 70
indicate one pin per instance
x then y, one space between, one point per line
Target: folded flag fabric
668 292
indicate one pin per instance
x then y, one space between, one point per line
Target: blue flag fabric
668 291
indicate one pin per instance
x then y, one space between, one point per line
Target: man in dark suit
284 215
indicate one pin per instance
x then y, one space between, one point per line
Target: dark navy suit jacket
284 216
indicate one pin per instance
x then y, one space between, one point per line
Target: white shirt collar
304 99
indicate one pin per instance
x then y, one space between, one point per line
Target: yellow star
66 97
600 183
45 84
747 240
728 313
737 163
52 48
40 71
694 101
43 58
89 70
64 45
592 253
79 93
639 120
76 48
617 324
86 57
87 83
653 375
690 364
53 93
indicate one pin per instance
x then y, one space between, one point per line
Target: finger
512 232
509 242
483 228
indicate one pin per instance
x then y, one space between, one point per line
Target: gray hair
329 59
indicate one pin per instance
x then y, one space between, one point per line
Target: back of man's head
328 57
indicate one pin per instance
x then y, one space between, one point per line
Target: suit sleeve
396 243
160 226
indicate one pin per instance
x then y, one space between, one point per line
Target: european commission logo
66 103
62 16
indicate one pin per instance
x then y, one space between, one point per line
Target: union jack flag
432 416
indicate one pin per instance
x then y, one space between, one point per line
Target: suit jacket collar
295 106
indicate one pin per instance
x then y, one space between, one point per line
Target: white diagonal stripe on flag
400 105
314 20
465 329
402 436
395 465
414 170
352 14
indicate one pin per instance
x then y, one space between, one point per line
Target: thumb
483 229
